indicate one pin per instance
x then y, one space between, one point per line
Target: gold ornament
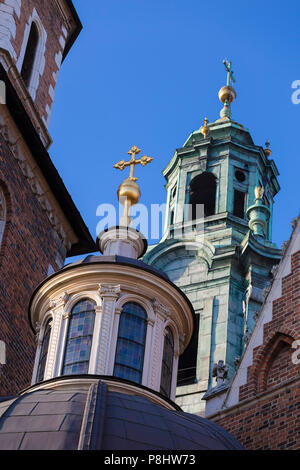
259 192
204 129
129 192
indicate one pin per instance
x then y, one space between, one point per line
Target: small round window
240 176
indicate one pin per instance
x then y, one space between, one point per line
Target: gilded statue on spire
129 192
259 192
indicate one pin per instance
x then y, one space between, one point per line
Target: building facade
110 331
217 246
40 224
260 406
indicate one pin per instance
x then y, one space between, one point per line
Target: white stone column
178 350
109 295
161 314
113 343
55 349
96 334
146 379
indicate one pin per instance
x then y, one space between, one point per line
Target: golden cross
132 162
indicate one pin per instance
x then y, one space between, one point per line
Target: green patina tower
217 242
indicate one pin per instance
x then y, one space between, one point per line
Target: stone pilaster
161 314
109 295
57 310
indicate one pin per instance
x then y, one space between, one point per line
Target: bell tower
217 243
39 223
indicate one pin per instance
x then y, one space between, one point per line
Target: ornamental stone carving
220 371
109 291
160 308
60 301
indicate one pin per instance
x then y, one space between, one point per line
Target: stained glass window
44 352
79 338
167 364
129 358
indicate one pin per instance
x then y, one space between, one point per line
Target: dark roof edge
86 243
100 377
76 32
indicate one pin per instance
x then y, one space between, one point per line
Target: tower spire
227 93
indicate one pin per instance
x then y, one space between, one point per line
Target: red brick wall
268 413
26 251
269 422
52 21
280 367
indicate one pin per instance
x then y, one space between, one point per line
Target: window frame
30 54
143 344
39 60
164 365
46 330
91 335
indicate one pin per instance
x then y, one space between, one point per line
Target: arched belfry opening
30 54
202 191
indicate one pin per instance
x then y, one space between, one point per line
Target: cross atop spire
129 191
228 68
227 94
132 162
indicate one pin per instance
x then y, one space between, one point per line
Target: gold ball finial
267 151
204 129
129 191
227 94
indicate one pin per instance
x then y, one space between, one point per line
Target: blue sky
147 72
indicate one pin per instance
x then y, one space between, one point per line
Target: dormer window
30 54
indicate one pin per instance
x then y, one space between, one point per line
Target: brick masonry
268 413
18 14
28 247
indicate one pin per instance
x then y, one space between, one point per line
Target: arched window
239 204
172 217
2 214
79 338
30 54
202 190
44 352
167 364
129 359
